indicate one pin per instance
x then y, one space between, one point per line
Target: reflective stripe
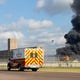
34 60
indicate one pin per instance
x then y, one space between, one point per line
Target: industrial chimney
12 44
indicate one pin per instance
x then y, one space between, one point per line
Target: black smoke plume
73 36
76 6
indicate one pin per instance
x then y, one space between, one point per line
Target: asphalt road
29 75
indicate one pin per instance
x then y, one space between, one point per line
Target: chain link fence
49 61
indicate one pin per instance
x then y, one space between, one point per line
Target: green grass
60 69
53 69
3 67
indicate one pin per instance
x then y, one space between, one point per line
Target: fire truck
26 58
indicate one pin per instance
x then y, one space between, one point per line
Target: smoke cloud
73 36
76 6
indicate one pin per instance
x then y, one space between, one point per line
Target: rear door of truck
34 57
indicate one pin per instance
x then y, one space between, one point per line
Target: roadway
29 75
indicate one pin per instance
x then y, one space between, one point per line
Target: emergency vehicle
26 58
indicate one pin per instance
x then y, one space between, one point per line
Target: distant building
5 54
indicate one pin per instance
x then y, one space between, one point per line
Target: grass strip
60 69
3 67
52 69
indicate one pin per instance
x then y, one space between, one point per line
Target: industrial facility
5 54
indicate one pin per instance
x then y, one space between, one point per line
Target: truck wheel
34 69
9 67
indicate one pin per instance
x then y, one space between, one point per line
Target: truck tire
34 69
9 67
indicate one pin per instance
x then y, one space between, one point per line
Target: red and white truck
27 58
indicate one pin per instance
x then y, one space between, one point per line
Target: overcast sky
35 23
